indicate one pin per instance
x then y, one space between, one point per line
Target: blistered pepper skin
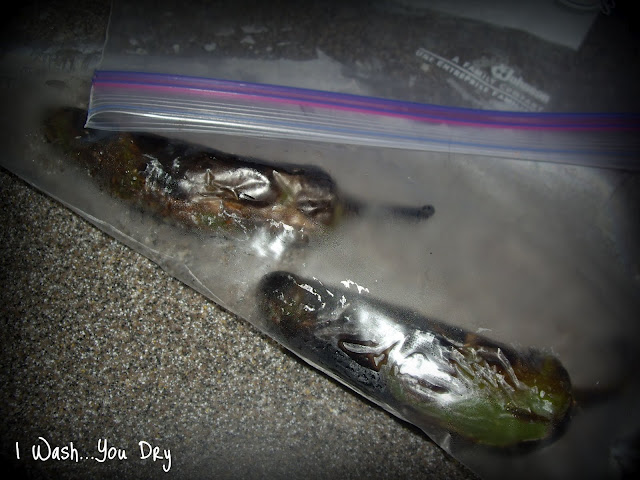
199 188
427 372
210 190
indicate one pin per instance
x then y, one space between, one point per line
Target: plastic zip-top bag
472 271
463 293
155 102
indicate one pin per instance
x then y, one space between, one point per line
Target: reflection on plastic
429 373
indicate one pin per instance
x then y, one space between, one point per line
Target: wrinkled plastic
431 374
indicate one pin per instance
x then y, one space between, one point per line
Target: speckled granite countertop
101 348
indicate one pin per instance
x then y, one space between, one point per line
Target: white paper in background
565 22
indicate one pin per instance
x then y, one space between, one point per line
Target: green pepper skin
427 372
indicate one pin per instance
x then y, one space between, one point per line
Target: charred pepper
206 189
425 371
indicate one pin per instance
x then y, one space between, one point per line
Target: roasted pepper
207 189
427 372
